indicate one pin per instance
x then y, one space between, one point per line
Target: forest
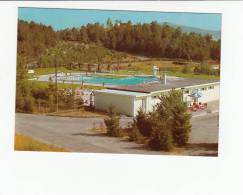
147 39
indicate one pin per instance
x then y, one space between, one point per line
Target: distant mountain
216 34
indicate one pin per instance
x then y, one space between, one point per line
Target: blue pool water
130 80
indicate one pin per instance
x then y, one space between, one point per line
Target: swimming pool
129 80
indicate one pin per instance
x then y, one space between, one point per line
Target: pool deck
45 78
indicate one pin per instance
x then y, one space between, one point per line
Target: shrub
205 69
180 62
39 92
113 124
28 104
79 102
186 69
134 134
25 103
161 138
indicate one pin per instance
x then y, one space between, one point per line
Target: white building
128 100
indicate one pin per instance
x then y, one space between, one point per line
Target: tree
99 53
134 134
161 137
119 57
24 100
34 39
51 90
109 23
181 125
172 122
150 39
179 121
143 123
113 123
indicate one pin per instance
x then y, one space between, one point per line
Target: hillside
37 42
75 54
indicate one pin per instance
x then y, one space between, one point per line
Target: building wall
153 100
150 103
139 103
209 93
129 105
122 104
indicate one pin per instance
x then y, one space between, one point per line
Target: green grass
43 71
191 75
139 68
44 84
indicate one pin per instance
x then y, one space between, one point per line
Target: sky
68 18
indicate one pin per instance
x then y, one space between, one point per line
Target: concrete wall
123 104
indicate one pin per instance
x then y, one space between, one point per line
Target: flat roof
122 92
172 83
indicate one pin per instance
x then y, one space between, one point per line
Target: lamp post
56 84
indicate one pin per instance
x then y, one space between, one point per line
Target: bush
161 138
186 69
24 104
79 102
179 62
28 104
113 124
205 69
134 134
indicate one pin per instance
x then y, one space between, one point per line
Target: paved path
75 134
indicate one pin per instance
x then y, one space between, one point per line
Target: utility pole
56 85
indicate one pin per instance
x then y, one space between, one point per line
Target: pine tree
180 119
161 137
181 125
134 134
143 123
24 100
113 123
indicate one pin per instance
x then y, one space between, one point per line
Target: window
211 87
203 89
